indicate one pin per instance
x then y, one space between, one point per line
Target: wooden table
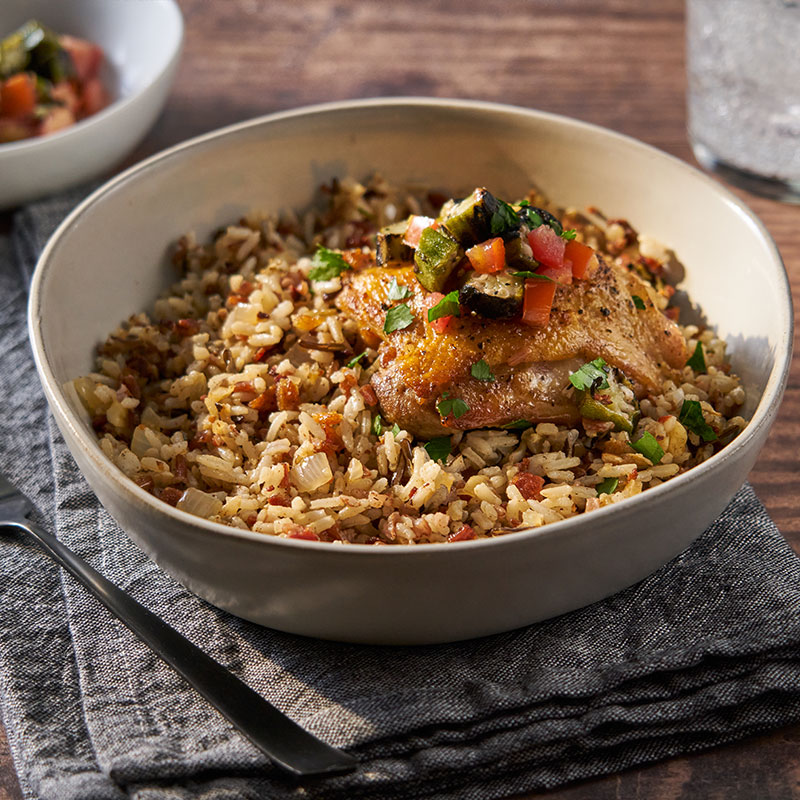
618 63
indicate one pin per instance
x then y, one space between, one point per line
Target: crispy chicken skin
589 319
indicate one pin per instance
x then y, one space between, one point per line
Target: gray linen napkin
705 651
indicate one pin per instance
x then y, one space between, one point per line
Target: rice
238 399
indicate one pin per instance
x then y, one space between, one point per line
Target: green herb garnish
503 220
446 307
591 376
353 361
451 405
438 449
377 425
608 486
638 302
517 425
395 429
526 273
569 234
647 445
691 417
326 264
397 318
697 361
481 371
397 292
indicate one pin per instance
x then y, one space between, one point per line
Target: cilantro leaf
326 264
697 360
638 302
590 376
526 273
451 405
524 203
397 292
691 417
481 371
517 425
446 307
353 361
398 318
569 234
647 445
608 486
503 220
439 448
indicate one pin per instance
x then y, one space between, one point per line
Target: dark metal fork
287 744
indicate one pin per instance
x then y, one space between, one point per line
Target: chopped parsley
691 417
439 448
503 220
517 425
327 264
638 302
398 318
397 292
481 371
591 376
697 361
647 445
608 486
451 405
526 273
569 234
446 307
353 361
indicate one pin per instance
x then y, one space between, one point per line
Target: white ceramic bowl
116 242
142 42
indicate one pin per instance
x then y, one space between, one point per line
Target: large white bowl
142 43
116 242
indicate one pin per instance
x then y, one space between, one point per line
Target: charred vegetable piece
495 295
390 245
519 254
470 221
437 255
615 402
535 217
35 47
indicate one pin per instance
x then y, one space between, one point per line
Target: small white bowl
117 240
142 43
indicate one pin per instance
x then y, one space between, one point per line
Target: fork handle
281 739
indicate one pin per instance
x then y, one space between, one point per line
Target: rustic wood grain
618 63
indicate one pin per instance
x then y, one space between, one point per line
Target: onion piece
311 473
199 503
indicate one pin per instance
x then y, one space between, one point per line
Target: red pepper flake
284 484
171 495
530 486
261 354
277 500
464 533
368 393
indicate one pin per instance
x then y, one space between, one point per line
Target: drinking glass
743 62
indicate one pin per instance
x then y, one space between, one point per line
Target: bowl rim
762 416
118 104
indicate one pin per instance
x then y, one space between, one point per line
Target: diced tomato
582 257
530 486
537 302
560 274
439 325
94 97
463 534
57 118
300 532
488 256
18 95
416 225
547 245
86 56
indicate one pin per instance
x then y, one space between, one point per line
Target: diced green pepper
614 403
437 255
519 254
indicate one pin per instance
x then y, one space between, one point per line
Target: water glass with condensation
743 62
